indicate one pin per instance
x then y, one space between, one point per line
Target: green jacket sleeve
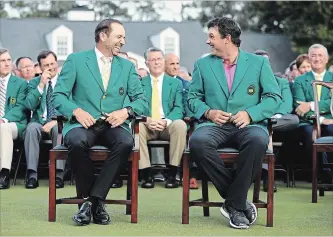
18 112
33 99
177 111
270 94
286 106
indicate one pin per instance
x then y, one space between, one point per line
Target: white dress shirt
160 88
312 104
100 62
41 91
6 84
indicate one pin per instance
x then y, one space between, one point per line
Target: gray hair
317 46
2 51
152 49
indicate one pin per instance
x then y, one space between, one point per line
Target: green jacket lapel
308 86
9 91
116 69
166 90
242 66
325 91
218 70
94 69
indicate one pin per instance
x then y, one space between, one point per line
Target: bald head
171 64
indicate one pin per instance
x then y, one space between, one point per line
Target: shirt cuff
277 116
312 105
168 122
5 120
321 119
40 90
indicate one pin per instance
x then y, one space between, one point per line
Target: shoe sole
78 223
226 215
256 213
101 223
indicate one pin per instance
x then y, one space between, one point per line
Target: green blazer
302 91
35 101
80 85
254 88
172 96
286 107
14 109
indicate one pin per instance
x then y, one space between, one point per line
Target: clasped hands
115 119
241 119
156 124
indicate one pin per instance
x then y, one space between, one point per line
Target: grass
24 212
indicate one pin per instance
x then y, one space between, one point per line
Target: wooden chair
97 154
320 144
229 155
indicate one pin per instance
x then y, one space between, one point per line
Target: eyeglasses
155 60
26 67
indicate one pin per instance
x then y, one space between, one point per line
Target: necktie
2 97
106 71
49 106
155 101
318 78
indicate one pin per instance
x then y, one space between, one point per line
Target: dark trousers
232 185
79 140
304 134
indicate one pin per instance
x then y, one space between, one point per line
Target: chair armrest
135 128
60 123
316 129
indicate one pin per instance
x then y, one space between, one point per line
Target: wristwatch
130 112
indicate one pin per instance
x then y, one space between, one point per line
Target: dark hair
45 54
105 26
19 59
291 65
227 26
300 59
261 52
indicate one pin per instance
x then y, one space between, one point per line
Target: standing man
39 100
25 65
232 94
304 104
12 114
98 81
165 121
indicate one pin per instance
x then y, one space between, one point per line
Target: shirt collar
6 78
159 78
54 79
99 54
319 74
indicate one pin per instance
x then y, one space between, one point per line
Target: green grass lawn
24 212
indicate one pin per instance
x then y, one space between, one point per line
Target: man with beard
231 95
98 81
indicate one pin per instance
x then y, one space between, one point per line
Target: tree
3 12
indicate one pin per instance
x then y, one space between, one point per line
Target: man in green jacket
304 104
12 114
90 93
232 94
165 120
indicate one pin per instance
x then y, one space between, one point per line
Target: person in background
26 67
303 64
293 71
38 71
142 72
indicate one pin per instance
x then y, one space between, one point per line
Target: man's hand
46 75
327 121
84 118
1 121
241 119
218 116
156 124
117 118
303 108
48 126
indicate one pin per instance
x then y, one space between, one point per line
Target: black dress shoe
117 184
83 217
31 183
100 215
148 183
4 181
265 186
171 183
59 182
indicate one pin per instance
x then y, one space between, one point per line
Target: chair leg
256 189
288 175
270 192
321 192
314 175
205 197
186 190
17 166
129 189
52 187
134 199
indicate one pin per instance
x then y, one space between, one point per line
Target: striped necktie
106 71
2 97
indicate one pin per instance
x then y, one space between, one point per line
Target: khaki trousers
8 132
175 133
